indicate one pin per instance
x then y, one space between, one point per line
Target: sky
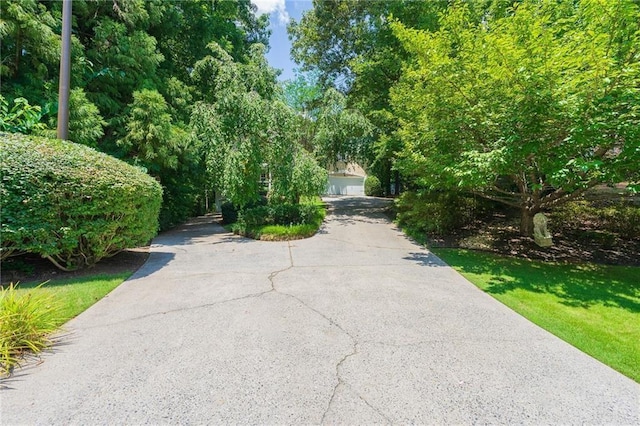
281 11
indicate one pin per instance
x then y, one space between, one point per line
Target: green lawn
75 295
31 312
596 308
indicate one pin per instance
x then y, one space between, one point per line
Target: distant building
346 179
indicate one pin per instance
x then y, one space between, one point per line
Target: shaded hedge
72 204
285 214
435 212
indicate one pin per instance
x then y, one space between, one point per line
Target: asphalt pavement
356 325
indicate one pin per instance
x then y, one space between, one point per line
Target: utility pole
65 72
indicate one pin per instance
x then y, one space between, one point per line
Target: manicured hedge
372 186
72 204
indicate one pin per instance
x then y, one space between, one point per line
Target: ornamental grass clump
27 321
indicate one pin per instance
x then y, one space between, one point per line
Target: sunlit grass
30 313
596 308
74 295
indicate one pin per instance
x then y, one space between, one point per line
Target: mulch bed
29 268
501 236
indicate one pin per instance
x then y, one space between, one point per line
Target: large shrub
372 186
72 204
435 212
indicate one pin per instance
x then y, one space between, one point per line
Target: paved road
356 325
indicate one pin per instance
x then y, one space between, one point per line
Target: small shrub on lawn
26 323
71 204
372 186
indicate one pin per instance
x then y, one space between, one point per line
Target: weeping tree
530 109
244 130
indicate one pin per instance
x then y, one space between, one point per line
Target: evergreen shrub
72 204
372 186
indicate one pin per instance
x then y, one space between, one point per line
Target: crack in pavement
369 245
368 404
331 321
185 309
271 276
340 381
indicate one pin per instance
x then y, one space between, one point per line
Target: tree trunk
526 222
396 177
386 178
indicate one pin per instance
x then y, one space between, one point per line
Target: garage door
345 185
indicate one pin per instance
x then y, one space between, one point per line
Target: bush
278 214
229 213
72 204
435 212
372 186
283 221
609 217
26 321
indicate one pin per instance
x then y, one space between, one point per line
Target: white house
346 179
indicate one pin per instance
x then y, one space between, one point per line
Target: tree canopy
180 89
529 109
528 103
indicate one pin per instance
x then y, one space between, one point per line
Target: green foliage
26 322
71 204
30 48
341 132
592 307
133 79
619 218
281 221
245 132
303 93
150 140
85 122
277 214
229 213
434 212
529 108
231 128
350 44
372 186
21 117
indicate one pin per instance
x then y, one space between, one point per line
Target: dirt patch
30 268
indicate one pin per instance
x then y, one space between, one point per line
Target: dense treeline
180 89
132 77
528 103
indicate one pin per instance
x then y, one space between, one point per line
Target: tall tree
529 109
352 45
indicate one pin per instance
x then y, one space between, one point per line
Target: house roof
341 168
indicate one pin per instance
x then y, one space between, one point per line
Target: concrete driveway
357 325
